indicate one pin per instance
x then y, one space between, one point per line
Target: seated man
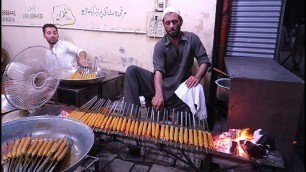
173 59
68 54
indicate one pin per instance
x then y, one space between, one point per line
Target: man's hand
84 62
158 99
158 102
192 81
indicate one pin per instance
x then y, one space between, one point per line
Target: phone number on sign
33 16
8 19
8 12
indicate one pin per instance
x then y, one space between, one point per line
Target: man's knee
131 69
129 74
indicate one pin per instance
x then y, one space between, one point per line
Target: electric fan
31 78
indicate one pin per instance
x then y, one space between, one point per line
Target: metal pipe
223 30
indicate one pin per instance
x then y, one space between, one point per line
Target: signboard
123 15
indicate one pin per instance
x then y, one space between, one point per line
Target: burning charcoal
233 147
254 150
266 140
243 145
233 133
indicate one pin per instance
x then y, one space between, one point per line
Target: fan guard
31 78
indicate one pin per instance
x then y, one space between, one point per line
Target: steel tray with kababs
78 76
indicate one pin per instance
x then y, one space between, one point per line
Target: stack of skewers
184 130
33 154
84 73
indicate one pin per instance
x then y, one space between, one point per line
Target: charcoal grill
94 113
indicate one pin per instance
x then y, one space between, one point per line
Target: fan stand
24 113
16 114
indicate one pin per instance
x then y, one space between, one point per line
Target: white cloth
193 96
66 53
172 10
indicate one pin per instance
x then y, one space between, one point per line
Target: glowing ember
232 142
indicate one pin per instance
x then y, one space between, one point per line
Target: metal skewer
181 130
129 119
157 125
177 127
195 131
152 123
136 121
186 131
121 113
112 115
167 129
145 124
190 131
162 128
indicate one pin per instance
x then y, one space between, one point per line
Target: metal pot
223 89
80 136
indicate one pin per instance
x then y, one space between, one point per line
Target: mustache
173 29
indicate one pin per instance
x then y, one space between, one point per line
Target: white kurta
66 53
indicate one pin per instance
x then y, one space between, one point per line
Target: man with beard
68 54
173 59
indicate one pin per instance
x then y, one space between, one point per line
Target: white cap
171 9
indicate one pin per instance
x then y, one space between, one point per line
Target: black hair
48 25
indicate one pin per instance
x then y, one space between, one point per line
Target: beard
52 41
174 32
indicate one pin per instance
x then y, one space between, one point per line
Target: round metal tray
66 72
80 136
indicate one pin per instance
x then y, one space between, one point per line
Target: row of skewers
33 154
126 121
84 73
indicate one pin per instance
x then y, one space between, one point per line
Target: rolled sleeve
79 51
158 58
200 51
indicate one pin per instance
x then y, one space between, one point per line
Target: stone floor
114 156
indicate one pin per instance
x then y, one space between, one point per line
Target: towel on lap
194 97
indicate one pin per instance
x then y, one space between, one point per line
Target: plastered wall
116 41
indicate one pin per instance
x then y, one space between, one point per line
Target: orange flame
224 143
243 135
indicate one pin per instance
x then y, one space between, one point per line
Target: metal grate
254 28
